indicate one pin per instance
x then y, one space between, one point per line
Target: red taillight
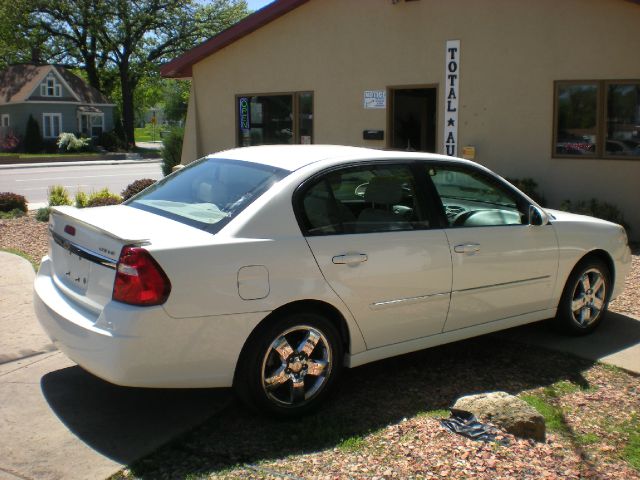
139 279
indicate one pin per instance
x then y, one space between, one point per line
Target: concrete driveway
57 421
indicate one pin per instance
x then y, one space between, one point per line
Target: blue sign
245 121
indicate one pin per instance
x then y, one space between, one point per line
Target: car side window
470 199
374 198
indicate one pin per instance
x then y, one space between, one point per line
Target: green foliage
553 416
176 99
58 195
81 199
68 142
12 201
172 149
598 209
102 198
111 141
136 187
15 213
33 136
42 214
530 187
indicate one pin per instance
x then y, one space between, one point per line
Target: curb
84 163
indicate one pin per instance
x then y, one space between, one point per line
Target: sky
257 4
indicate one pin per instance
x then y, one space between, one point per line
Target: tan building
543 89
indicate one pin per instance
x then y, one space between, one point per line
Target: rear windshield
209 192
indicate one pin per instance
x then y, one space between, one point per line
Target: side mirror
537 216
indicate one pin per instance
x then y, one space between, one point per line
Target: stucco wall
511 53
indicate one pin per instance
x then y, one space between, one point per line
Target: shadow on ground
369 398
122 423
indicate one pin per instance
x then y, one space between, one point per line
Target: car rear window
209 192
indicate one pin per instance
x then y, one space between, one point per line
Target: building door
413 119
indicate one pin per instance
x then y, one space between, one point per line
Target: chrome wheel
296 366
589 297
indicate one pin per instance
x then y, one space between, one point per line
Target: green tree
119 43
32 136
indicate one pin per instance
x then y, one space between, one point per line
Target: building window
274 119
50 87
6 120
91 124
597 119
51 125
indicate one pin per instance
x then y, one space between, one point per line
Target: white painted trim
59 115
62 102
62 81
8 117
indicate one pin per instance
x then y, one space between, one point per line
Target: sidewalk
59 422
87 162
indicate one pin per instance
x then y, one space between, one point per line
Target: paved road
34 182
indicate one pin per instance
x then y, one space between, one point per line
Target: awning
88 109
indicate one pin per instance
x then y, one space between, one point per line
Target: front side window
51 124
380 198
208 193
470 199
597 119
275 119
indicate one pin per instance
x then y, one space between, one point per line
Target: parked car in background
271 268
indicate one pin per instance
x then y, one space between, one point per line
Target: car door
372 240
502 266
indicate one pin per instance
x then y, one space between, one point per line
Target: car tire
585 297
290 364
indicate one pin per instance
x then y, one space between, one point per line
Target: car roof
294 157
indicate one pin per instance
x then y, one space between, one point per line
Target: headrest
385 190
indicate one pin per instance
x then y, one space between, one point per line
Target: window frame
295 107
48 117
50 82
7 117
602 97
428 212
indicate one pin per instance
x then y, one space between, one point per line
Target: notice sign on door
375 99
452 86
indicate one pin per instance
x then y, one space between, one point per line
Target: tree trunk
128 85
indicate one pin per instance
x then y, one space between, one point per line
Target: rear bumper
142 346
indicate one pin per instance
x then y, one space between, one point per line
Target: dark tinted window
378 198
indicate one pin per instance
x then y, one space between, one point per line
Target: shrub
81 199
42 214
596 208
58 195
15 213
102 198
10 142
172 149
12 201
68 142
136 187
530 187
32 136
111 141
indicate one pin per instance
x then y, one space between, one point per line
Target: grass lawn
49 155
145 134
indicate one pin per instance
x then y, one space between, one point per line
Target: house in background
548 90
59 101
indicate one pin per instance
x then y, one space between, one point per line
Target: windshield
209 192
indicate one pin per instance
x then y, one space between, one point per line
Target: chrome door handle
468 248
350 258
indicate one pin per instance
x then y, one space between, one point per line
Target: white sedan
271 268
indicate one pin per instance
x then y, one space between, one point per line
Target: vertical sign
244 114
452 86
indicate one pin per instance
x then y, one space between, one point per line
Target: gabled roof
19 83
181 67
